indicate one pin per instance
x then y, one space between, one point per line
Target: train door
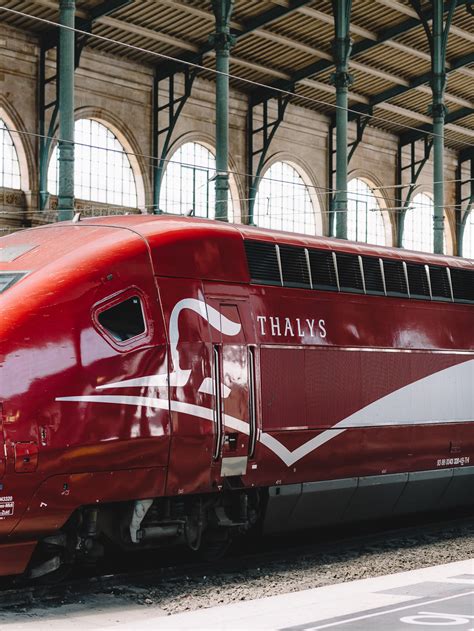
234 387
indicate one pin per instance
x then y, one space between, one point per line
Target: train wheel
53 559
215 543
54 577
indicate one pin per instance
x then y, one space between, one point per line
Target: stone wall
119 94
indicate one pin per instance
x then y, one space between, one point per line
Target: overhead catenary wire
205 68
197 66
153 160
320 189
112 208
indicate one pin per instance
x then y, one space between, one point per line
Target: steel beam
260 21
49 109
466 154
50 38
415 167
67 9
362 46
259 139
168 70
170 111
107 8
46 129
222 41
398 90
451 117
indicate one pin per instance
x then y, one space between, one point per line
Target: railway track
262 556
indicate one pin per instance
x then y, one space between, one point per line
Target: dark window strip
325 270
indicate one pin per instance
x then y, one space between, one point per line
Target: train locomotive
170 380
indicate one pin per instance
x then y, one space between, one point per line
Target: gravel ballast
309 570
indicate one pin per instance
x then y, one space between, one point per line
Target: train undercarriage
203 523
207 523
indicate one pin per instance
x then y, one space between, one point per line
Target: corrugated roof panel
177 27
375 17
394 61
244 10
461 85
459 46
305 29
266 52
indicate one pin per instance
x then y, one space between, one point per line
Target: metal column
342 80
438 40
48 88
66 63
222 41
438 110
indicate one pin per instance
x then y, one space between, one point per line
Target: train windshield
7 279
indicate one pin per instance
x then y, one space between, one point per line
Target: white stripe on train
446 396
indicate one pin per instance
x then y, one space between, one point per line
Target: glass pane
283 201
188 185
418 225
364 218
102 169
8 279
9 165
125 320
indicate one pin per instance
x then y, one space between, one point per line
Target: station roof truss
287 45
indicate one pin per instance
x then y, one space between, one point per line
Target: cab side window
124 320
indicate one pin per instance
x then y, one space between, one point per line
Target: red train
167 380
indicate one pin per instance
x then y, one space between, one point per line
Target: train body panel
140 364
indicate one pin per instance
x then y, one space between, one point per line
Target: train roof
179 246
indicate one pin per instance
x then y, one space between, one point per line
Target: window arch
283 201
468 237
9 163
102 169
364 216
418 224
188 182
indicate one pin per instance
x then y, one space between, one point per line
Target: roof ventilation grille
350 275
323 271
463 284
373 275
395 278
418 281
263 262
294 267
440 287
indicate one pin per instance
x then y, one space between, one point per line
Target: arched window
188 183
102 170
364 217
9 164
468 237
418 225
283 201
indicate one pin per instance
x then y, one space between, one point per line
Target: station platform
441 596
435 597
